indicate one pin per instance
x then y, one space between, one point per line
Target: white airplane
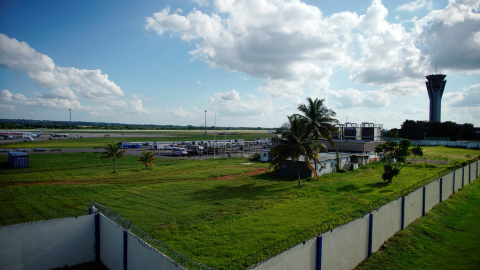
18 134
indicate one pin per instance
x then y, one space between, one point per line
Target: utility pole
214 136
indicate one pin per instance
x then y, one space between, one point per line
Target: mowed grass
210 210
448 237
168 135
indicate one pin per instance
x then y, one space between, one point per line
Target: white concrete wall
458 179
473 171
447 188
142 256
47 244
346 246
300 257
387 220
413 206
111 243
432 194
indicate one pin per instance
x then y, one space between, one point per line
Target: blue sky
250 62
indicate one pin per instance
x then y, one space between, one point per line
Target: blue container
18 159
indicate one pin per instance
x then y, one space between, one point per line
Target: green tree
295 142
320 119
147 158
113 152
395 157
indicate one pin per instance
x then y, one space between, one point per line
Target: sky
248 63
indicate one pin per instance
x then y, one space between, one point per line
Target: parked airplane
20 134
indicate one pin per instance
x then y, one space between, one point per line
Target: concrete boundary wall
386 222
447 186
47 244
432 194
345 246
413 206
111 243
458 179
142 256
302 256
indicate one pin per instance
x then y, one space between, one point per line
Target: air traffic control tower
435 86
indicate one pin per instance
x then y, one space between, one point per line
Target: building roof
18 154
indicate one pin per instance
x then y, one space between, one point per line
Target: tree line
12 124
419 130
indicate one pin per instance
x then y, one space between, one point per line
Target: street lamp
205 124
70 123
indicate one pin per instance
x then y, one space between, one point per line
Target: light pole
214 136
70 122
205 124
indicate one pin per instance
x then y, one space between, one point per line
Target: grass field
448 237
135 136
211 210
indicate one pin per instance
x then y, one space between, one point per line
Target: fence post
125 250
423 202
97 237
370 236
469 172
319 252
403 212
441 189
454 175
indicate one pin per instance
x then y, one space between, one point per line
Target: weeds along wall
346 246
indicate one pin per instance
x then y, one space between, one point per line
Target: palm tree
147 158
320 119
295 142
113 152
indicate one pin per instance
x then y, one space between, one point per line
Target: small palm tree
113 152
295 142
320 119
147 158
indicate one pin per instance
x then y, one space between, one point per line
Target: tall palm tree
147 158
295 142
112 152
320 119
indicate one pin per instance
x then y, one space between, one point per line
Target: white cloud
416 5
414 110
67 82
68 85
231 104
354 98
469 97
451 36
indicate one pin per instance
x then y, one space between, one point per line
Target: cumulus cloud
295 49
469 97
416 5
451 36
350 98
231 104
67 82
68 85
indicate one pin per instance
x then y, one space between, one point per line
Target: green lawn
448 237
184 204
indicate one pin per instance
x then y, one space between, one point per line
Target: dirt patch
429 161
250 173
